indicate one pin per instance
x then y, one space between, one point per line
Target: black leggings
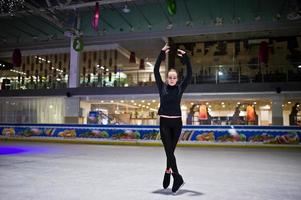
170 130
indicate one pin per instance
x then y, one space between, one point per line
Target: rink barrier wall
150 136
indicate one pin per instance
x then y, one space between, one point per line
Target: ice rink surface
42 171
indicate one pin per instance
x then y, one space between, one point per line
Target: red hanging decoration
89 78
89 64
141 66
110 62
110 76
96 15
115 59
116 55
115 69
263 52
85 56
41 67
17 58
110 59
132 57
105 55
37 60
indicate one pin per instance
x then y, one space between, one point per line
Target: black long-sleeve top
170 96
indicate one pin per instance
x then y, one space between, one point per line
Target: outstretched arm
186 61
161 56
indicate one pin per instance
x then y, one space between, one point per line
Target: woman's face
172 78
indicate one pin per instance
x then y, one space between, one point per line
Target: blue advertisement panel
215 134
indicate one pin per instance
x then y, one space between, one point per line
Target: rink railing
195 134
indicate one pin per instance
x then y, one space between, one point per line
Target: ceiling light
257 18
169 26
188 23
125 9
219 21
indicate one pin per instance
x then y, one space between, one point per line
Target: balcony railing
215 75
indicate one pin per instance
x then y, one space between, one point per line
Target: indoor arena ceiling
50 22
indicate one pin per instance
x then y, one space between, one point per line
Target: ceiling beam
48 3
285 29
106 22
144 17
48 23
9 34
33 27
126 53
89 4
38 50
45 16
17 28
121 16
164 13
187 10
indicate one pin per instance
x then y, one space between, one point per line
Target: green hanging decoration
171 7
78 44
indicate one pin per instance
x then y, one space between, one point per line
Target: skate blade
175 193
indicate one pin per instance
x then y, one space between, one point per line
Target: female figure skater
170 114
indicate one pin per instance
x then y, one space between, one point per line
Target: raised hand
180 52
166 48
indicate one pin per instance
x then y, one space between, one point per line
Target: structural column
73 114
277 113
74 72
170 59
